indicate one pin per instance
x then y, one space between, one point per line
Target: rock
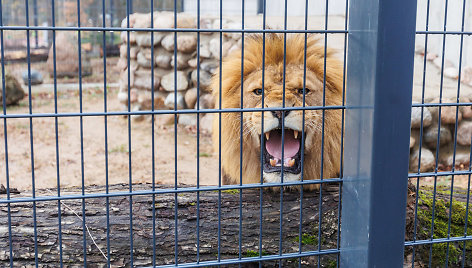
165 19
133 95
465 110
144 59
122 64
205 79
145 100
207 101
416 117
462 156
165 119
206 123
431 56
205 51
168 42
451 72
123 97
466 76
134 76
13 91
209 66
427 161
186 43
124 22
132 38
67 57
464 133
143 39
448 113
431 136
182 60
141 20
188 119
133 51
234 26
191 97
233 48
163 61
142 80
137 117
193 62
167 81
412 142
170 100
215 48
35 76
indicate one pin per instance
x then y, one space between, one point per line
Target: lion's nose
278 114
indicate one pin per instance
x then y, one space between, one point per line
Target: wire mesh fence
223 139
439 235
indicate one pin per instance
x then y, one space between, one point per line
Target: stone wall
140 57
446 136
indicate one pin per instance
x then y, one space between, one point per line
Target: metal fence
367 202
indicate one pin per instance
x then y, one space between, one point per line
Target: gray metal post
379 86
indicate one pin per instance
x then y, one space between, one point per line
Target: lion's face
311 138
289 126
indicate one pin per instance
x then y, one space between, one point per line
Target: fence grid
368 199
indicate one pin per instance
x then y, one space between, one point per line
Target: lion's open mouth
291 151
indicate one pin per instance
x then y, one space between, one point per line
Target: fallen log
208 242
213 243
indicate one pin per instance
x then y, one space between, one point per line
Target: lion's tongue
274 144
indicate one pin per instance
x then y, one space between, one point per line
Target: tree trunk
73 233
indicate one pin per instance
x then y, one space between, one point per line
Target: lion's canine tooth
291 162
273 162
267 135
295 134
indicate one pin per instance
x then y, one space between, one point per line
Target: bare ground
93 164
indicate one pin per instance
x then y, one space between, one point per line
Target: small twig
88 230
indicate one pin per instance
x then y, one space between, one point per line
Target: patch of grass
119 149
231 191
254 253
332 264
308 239
203 154
441 226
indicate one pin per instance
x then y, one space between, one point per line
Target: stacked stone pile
446 134
162 48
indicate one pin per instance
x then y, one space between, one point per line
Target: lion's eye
300 91
257 91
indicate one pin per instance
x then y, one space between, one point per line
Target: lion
270 135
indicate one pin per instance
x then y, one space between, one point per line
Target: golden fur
273 86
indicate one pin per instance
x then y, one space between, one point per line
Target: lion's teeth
295 134
267 135
291 162
273 162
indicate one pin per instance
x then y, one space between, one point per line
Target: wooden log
227 237
166 235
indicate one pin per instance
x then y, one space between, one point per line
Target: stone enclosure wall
140 70
447 136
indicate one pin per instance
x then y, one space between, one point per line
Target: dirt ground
70 171
16 69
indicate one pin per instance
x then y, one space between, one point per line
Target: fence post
379 87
